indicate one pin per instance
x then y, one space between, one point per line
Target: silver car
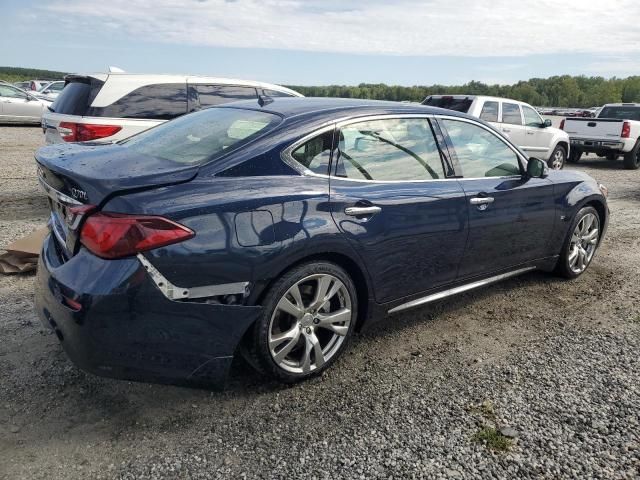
18 106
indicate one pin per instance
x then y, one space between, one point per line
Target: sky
313 42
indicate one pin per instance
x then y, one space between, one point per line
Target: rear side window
202 136
511 114
489 112
450 103
315 154
76 97
161 101
399 149
210 95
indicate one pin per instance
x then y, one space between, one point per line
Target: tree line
558 91
16 74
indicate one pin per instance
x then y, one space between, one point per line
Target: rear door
511 124
393 197
511 216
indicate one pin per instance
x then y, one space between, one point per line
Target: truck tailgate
592 128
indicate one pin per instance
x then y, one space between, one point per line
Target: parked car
614 132
105 108
278 231
518 120
52 89
22 85
18 106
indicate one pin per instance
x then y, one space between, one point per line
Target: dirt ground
555 360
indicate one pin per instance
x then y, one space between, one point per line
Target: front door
538 138
511 216
391 197
17 105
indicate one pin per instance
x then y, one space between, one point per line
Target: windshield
621 113
202 136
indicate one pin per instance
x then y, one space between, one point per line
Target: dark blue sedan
279 230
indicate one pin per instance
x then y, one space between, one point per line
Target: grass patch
493 439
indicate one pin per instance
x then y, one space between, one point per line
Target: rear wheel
574 156
558 157
309 317
632 159
581 243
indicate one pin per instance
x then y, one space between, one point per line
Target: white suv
105 108
517 120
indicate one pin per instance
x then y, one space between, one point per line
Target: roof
334 108
483 97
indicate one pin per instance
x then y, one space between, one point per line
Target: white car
517 120
614 132
51 90
105 108
18 106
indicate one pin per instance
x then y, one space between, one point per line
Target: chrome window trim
286 156
55 195
459 289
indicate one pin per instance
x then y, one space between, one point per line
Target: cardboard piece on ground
22 255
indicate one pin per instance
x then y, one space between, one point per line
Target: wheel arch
352 267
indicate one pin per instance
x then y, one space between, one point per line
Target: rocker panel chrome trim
173 292
460 289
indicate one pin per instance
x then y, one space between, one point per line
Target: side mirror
537 168
547 123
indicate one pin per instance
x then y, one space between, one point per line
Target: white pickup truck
614 132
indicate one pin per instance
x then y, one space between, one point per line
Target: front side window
10 92
489 112
315 154
398 149
531 117
511 114
480 153
202 136
210 95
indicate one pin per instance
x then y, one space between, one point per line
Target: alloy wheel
310 323
584 242
557 162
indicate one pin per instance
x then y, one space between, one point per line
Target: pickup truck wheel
557 158
632 159
574 156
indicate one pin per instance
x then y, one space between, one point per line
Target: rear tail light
114 235
626 130
562 124
83 132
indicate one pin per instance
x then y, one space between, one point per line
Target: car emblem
78 194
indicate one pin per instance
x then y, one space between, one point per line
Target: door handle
481 200
530 133
506 130
359 211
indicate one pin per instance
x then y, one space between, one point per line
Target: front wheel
558 156
309 317
581 243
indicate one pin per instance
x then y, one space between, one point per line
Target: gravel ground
554 364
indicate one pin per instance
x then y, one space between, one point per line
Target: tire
574 156
571 264
612 156
291 348
557 158
632 159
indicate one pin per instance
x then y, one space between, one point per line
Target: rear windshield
76 97
450 103
621 113
202 136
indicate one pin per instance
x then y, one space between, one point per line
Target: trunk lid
76 176
593 128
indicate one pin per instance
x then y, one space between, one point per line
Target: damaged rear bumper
112 320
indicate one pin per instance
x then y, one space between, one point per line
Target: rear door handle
481 200
362 211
